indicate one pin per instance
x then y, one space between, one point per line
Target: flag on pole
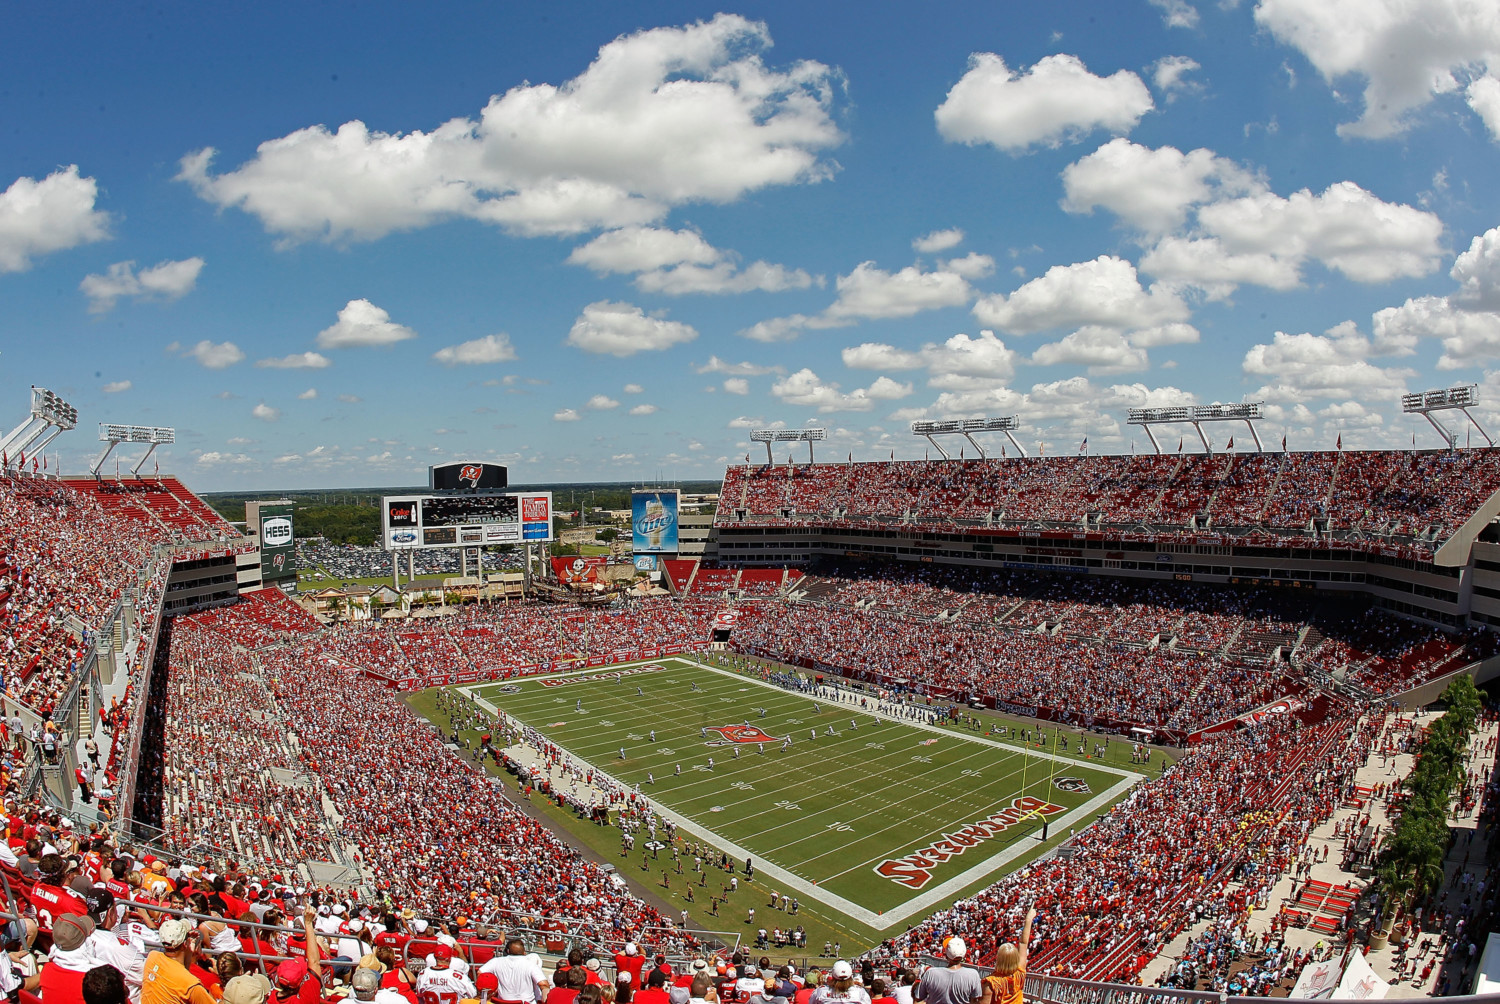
1003 454
1231 443
1179 444
1283 442
1083 447
1339 445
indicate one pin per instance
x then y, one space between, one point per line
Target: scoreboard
434 521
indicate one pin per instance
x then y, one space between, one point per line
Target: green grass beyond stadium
871 828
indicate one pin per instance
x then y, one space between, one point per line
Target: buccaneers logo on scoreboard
742 734
470 474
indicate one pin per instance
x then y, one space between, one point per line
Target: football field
882 819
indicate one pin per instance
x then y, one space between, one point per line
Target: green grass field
882 822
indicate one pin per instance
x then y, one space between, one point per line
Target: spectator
166 979
1006 984
106 985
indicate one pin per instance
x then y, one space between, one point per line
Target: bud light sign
654 521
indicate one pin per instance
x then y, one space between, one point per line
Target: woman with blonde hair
1006 984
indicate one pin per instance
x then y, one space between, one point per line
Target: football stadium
510 504
887 705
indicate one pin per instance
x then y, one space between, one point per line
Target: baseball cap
366 983
592 964
842 970
247 990
420 926
955 948
71 930
291 972
442 953
487 981
173 932
630 948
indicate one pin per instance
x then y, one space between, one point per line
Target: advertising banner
653 520
645 562
536 515
277 549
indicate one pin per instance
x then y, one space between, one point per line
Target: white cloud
634 388
1265 239
1150 190
623 329
1484 97
679 262
265 412
214 458
168 280
361 324
311 394
54 214
724 277
601 402
643 249
477 351
1058 100
350 398
805 389
717 365
1407 51
296 361
1104 292
971 266
643 409
870 292
1102 350
1177 13
662 117
565 415
779 329
211 355
117 386
737 385
960 362
1169 74
1332 365
938 240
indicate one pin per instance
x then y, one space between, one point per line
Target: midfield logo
740 734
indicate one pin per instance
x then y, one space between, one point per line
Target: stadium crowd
1395 493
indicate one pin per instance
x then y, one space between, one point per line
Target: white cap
592 964
955 948
841 970
630 948
419 925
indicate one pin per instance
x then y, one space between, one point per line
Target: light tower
769 436
966 428
1460 398
1196 415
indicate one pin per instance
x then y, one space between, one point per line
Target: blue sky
332 244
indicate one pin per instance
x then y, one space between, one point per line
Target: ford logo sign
403 537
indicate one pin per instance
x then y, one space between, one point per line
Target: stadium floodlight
966 428
1460 398
50 415
769 436
1195 415
113 435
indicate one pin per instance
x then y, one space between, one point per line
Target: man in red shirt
394 937
654 992
62 976
51 896
631 961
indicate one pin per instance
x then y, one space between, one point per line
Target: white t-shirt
449 986
516 976
856 994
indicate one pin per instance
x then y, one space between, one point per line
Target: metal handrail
1059 990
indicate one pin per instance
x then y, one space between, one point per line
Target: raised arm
1026 934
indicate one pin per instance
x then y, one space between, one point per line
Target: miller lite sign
467 476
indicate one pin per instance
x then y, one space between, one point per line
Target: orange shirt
1006 989
166 981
